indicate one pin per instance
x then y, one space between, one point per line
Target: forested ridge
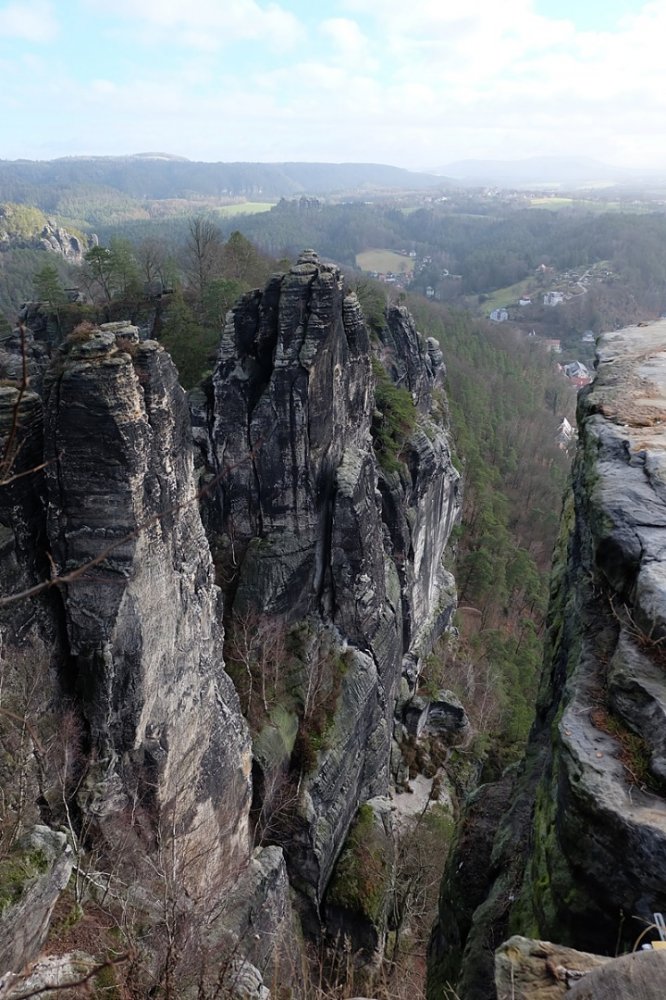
488 242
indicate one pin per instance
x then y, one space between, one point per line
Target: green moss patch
17 871
362 873
394 420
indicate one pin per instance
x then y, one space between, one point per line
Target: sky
415 83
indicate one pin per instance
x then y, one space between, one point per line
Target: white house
553 298
499 316
576 370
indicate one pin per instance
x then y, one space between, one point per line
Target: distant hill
546 172
159 175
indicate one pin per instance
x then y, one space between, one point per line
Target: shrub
362 872
394 420
82 333
128 346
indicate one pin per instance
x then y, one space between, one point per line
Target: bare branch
78 573
51 988
24 722
28 472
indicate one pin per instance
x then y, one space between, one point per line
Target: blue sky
417 83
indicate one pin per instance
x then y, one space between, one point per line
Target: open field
554 204
505 296
595 205
383 261
245 208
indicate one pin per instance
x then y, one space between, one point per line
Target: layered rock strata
141 608
332 539
315 530
591 845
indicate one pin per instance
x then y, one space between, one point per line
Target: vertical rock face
586 866
289 369
421 512
599 862
31 634
330 501
318 531
143 617
32 877
22 534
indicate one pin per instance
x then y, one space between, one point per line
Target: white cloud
349 44
209 24
28 21
414 83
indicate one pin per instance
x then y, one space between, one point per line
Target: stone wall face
579 855
143 622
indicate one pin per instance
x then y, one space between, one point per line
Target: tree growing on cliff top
112 271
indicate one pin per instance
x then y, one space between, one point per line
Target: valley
281 641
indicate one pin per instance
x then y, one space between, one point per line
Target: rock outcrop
539 970
143 615
585 865
32 877
56 239
326 486
332 510
36 232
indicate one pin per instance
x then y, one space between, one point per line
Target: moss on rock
362 874
17 871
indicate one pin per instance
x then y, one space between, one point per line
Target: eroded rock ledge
580 857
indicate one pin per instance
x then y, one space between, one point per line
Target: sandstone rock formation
32 877
162 714
56 239
320 529
580 855
328 494
539 970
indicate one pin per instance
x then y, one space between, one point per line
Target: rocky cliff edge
580 856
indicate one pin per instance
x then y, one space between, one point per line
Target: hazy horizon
415 86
